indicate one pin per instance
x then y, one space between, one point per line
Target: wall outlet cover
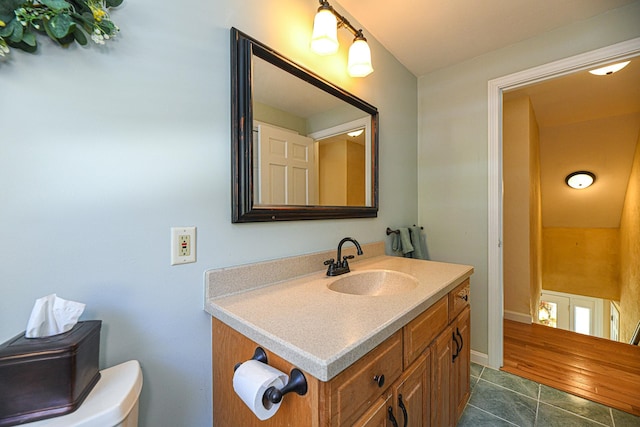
183 245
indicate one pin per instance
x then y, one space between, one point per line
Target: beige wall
630 254
355 174
522 209
332 173
341 161
535 215
581 261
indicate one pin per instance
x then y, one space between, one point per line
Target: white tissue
52 316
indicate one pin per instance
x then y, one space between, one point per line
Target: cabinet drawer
423 329
353 390
458 299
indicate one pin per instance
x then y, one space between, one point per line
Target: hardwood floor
597 369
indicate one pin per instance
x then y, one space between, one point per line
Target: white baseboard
479 358
518 317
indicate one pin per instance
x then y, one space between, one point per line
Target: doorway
617 52
576 313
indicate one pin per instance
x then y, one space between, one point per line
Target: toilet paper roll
251 380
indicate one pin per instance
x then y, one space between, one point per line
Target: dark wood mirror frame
243 48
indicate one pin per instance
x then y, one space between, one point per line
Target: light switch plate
183 245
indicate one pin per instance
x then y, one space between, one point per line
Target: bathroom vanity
388 344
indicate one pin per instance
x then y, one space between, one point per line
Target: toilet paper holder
297 381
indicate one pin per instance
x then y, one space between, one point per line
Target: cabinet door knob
379 379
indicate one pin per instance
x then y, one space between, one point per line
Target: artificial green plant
64 21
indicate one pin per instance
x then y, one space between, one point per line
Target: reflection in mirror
311 150
304 153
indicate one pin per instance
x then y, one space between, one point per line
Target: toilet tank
113 402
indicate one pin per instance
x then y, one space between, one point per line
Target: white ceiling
586 122
426 35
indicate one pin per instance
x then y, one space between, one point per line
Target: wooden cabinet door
412 394
460 386
441 356
378 413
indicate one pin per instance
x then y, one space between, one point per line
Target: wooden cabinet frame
417 361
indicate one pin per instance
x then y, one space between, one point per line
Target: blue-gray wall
103 150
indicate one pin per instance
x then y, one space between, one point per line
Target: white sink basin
374 282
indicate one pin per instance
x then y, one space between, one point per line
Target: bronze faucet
341 267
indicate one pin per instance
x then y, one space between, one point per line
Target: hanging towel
396 246
416 240
405 245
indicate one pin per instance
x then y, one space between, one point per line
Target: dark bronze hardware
341 267
379 379
297 383
391 417
390 231
460 336
404 410
457 350
259 354
459 345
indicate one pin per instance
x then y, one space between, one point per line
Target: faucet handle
345 263
332 267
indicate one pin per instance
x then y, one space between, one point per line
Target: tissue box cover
48 377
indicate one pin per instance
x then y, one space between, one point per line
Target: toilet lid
108 403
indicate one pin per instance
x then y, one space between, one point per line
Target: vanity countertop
323 332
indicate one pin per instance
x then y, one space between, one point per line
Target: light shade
324 40
580 179
359 63
609 69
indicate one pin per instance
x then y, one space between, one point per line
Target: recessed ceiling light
580 179
609 69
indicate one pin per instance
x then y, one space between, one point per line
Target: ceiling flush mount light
580 179
355 133
324 40
609 69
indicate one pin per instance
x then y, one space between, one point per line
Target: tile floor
502 399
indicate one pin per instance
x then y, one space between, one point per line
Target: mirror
302 148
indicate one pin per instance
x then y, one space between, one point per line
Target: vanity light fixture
324 40
609 69
580 179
